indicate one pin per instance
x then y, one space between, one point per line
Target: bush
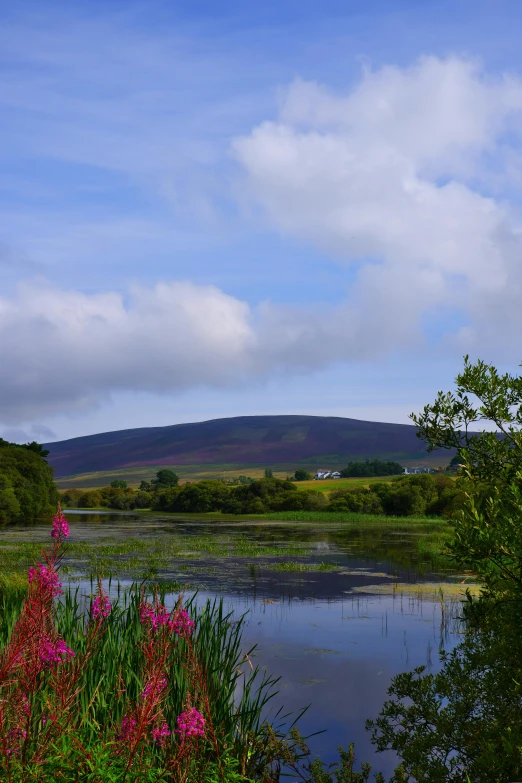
91 499
302 475
360 499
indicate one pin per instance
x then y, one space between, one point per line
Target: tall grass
352 517
94 692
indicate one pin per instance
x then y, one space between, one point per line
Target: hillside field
133 476
223 448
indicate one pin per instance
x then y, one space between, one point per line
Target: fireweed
130 692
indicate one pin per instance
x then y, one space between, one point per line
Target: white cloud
391 176
64 349
389 173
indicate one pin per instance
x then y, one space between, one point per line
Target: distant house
415 471
326 474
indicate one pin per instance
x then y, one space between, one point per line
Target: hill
242 441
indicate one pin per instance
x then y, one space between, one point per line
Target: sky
228 208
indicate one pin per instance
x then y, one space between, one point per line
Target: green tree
369 468
166 478
37 448
465 723
268 473
119 484
27 485
302 475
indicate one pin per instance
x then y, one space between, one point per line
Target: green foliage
27 488
200 497
465 723
271 494
268 473
119 484
344 771
165 478
302 475
243 748
406 496
372 467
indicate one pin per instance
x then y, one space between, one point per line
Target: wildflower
191 723
60 525
15 737
181 624
155 614
160 734
128 726
101 606
154 687
54 652
45 578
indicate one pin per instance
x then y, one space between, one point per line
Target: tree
268 473
37 448
119 484
488 534
166 478
465 723
369 468
302 475
27 488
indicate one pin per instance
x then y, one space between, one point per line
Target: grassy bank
205 669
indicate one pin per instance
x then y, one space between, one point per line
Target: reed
130 692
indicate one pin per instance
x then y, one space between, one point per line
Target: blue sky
215 209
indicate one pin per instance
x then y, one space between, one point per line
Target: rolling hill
242 441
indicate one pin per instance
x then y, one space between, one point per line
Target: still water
365 608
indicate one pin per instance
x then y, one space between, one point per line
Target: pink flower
128 726
54 652
181 624
101 606
156 615
154 687
160 734
15 738
60 525
45 578
191 723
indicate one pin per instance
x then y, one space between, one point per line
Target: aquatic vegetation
129 690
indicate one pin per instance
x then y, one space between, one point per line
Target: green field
327 485
133 476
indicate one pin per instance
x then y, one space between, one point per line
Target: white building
326 474
415 471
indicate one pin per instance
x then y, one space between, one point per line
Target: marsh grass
291 565
143 557
238 694
361 520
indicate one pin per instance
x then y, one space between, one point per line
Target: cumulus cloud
393 176
67 350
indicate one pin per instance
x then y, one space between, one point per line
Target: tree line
403 496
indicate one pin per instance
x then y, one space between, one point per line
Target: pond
336 611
